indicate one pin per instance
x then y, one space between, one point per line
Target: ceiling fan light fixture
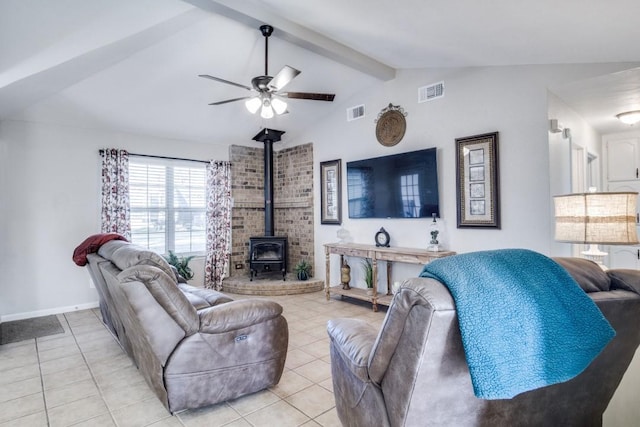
279 106
265 87
266 112
253 104
629 117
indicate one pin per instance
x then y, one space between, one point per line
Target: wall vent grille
354 113
431 92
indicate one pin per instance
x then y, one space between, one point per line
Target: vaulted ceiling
132 65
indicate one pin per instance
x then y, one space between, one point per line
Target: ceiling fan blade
226 101
218 79
283 78
307 95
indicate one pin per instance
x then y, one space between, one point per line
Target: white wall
511 100
51 203
581 133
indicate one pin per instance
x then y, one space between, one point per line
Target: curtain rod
162 157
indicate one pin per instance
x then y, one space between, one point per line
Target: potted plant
181 264
367 268
303 270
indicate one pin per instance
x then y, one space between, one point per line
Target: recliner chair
413 372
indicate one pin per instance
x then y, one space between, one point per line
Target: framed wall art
477 181
330 192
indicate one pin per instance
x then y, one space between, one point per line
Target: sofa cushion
131 255
162 287
626 279
587 273
196 301
107 249
209 296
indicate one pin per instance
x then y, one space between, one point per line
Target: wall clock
391 125
382 238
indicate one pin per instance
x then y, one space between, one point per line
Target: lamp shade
599 218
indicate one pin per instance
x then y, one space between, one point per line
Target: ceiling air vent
431 92
354 113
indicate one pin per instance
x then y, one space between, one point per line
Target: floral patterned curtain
218 223
115 192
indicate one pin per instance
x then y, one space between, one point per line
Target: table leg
327 277
374 297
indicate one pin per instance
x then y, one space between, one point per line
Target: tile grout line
93 378
44 398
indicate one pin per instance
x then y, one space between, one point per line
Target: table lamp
596 218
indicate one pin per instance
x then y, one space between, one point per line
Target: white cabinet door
624 187
624 257
622 159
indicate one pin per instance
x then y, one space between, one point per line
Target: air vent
431 92
354 113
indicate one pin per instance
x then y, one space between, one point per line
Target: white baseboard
40 313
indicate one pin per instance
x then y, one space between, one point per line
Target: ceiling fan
267 96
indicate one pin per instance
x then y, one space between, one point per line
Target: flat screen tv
397 186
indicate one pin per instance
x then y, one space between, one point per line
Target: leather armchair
413 371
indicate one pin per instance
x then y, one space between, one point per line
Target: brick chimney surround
292 200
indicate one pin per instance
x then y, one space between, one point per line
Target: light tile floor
83 378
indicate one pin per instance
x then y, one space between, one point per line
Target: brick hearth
271 286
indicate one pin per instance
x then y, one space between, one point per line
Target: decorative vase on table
345 276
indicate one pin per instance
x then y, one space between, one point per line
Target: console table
375 253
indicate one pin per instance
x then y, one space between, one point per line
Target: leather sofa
413 371
194 346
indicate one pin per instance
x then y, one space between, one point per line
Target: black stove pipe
268 188
268 137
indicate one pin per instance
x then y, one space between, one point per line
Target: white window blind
168 204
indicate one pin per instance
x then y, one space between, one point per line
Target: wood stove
268 253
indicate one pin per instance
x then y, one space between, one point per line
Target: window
168 204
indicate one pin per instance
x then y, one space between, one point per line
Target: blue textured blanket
525 323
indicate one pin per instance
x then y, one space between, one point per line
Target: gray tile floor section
83 378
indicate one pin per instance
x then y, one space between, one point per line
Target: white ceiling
132 65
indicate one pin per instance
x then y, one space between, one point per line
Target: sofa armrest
237 314
353 340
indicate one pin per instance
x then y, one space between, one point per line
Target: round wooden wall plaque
390 127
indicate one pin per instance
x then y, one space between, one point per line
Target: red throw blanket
91 244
